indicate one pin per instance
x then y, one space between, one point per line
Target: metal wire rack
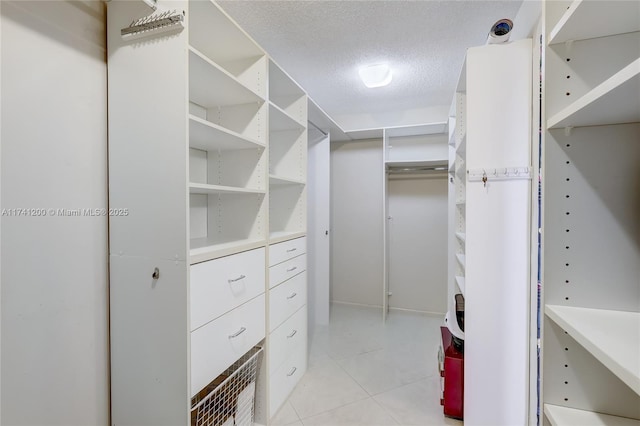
229 399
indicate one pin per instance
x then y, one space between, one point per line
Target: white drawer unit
220 343
287 338
286 250
287 269
220 285
286 299
284 379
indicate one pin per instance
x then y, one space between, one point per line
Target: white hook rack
499 173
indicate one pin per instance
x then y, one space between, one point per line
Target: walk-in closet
319 213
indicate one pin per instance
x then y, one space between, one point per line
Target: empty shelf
281 180
614 101
461 283
209 136
586 19
203 188
212 86
601 332
565 416
279 236
279 120
203 249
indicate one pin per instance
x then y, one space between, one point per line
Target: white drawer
220 343
287 269
285 378
286 250
287 298
219 285
288 337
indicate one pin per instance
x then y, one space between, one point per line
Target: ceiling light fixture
377 75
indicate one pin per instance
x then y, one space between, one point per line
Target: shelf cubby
611 17
565 416
615 101
244 170
219 39
287 95
601 332
287 208
221 221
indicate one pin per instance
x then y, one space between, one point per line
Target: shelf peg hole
156 274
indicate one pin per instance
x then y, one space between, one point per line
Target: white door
318 184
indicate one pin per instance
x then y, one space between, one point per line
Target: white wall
418 243
356 222
54 269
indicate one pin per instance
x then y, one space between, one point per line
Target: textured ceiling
321 44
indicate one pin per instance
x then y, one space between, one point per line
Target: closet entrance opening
415 193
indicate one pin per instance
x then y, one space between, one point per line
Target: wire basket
229 399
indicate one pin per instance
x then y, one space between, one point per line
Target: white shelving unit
457 190
287 156
207 149
497 244
590 345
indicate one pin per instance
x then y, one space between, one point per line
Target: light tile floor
364 372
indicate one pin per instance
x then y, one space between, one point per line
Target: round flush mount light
377 75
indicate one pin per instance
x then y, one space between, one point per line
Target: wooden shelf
203 249
614 101
203 188
461 260
461 236
279 120
280 236
281 180
212 86
461 283
612 337
209 136
585 19
564 416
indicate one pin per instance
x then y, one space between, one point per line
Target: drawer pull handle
292 372
293 333
292 269
292 250
292 296
237 333
241 277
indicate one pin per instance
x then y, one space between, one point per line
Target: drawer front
287 338
220 285
286 377
220 343
286 299
285 250
287 269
